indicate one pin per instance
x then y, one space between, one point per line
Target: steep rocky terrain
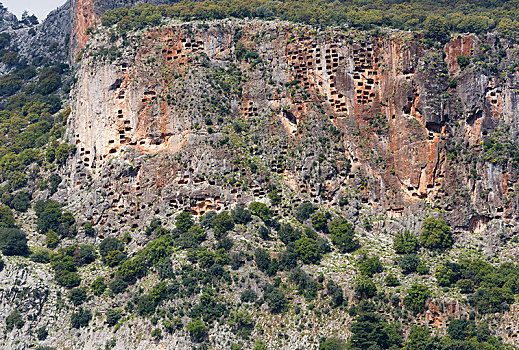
165 126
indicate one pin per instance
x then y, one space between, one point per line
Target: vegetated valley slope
259 184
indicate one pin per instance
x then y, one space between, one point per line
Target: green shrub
81 318
416 298
370 266
405 243
77 296
113 316
13 242
436 234
98 286
304 211
307 250
14 319
343 236
197 330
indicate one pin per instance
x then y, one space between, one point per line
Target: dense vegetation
436 18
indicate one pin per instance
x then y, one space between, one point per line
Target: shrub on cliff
405 243
197 330
77 296
436 234
81 318
343 236
13 242
222 224
304 211
307 250
14 319
416 298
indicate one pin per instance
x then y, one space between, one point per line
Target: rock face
397 110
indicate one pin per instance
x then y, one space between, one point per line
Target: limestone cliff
392 101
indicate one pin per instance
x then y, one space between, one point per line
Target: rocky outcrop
400 107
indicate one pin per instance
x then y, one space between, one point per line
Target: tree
222 223
405 243
416 298
49 215
260 210
110 244
42 333
98 286
14 319
197 330
113 316
320 221
371 331
332 344
460 329
288 234
86 254
248 296
508 28
240 215
391 280
276 299
336 293
435 27
370 266
365 287
184 221
81 318
6 217
409 263
307 250
420 339
304 211
262 259
343 236
88 227
436 234
77 295
156 333
13 242
21 201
